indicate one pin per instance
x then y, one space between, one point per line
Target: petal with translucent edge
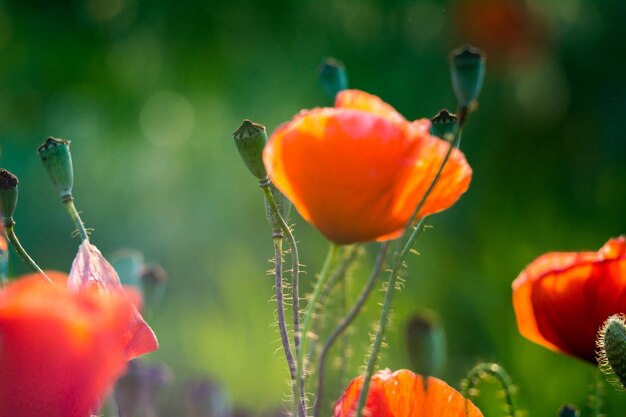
360 100
405 394
91 270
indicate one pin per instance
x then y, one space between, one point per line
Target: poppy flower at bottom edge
60 351
405 394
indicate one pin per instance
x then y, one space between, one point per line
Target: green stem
333 250
299 399
598 394
71 209
23 254
345 322
391 283
478 373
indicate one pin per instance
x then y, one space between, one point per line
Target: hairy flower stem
345 322
393 276
8 228
333 250
299 399
478 373
68 202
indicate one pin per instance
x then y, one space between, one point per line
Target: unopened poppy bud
284 207
8 196
612 349
426 340
333 77
250 139
568 410
56 157
467 65
443 125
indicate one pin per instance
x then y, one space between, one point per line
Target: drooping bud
8 197
333 77
611 352
56 157
284 207
426 340
467 67
444 125
250 139
568 410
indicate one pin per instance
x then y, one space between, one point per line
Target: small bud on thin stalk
250 140
444 125
332 76
467 69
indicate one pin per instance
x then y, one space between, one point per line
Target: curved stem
299 400
23 254
478 373
391 283
282 326
71 209
345 322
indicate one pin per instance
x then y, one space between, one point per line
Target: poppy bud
56 157
443 125
250 139
8 196
569 410
467 66
426 340
333 77
612 349
284 207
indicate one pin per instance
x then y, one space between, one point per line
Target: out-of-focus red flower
60 350
91 270
358 170
562 298
405 394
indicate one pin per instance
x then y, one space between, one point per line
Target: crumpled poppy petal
562 298
91 270
357 171
405 394
60 350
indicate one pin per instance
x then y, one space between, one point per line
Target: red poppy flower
405 394
562 298
91 270
60 350
358 170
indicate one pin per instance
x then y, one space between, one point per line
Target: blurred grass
150 92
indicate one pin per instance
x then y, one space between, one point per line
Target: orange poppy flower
91 270
405 394
562 298
60 350
357 171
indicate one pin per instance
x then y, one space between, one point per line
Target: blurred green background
149 93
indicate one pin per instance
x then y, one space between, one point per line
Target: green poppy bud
8 196
250 140
444 125
612 350
56 157
467 66
426 340
568 410
333 77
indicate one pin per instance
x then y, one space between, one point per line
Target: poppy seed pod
8 196
250 140
467 68
444 125
56 157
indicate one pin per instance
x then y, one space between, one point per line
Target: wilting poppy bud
56 157
426 340
612 349
284 207
333 77
250 139
443 125
568 410
467 65
8 196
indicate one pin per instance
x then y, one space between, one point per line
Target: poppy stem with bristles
75 216
393 276
10 232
